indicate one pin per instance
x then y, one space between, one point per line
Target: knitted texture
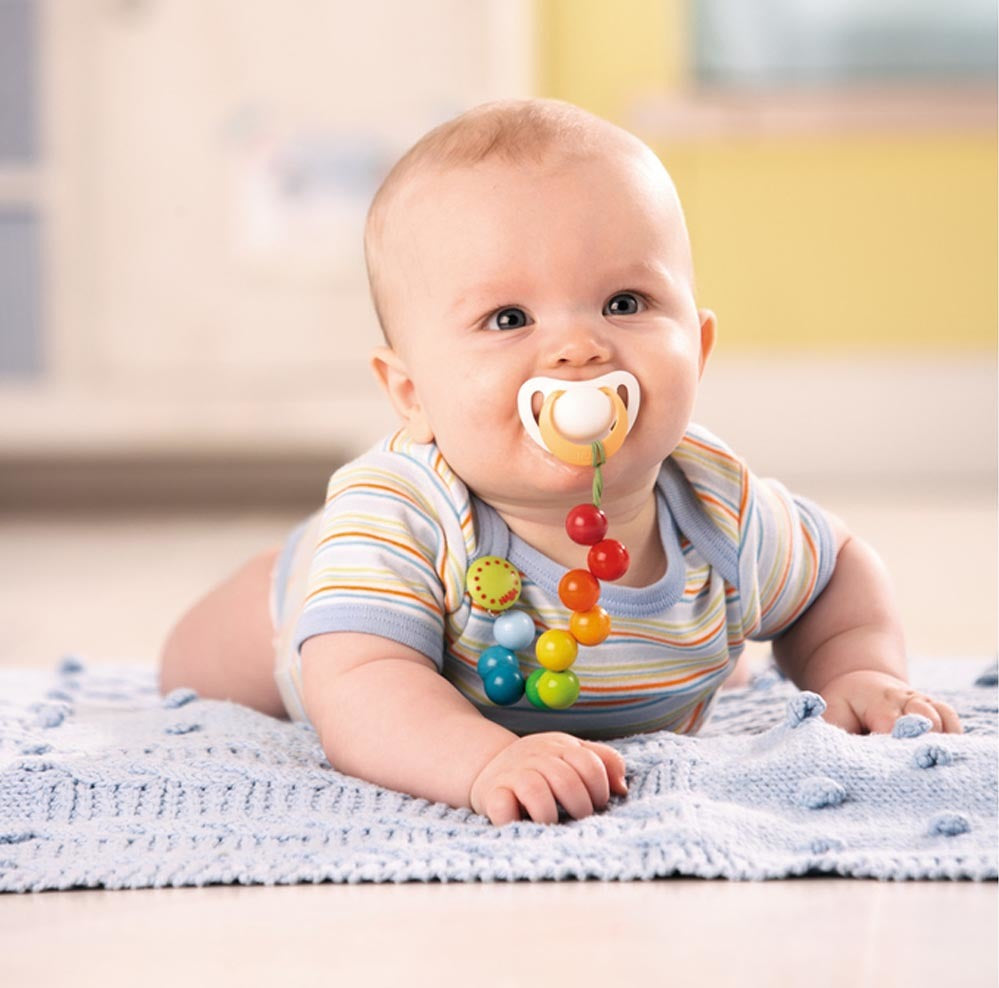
103 783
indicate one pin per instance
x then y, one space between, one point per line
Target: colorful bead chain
495 583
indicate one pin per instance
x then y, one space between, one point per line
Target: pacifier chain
495 583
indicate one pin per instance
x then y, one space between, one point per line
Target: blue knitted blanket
105 784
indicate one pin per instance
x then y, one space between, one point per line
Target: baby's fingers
839 713
951 721
942 716
567 785
613 762
535 795
880 717
593 774
922 706
502 807
858 702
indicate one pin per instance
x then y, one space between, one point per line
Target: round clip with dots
493 583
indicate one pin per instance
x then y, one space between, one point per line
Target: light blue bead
514 630
495 658
504 685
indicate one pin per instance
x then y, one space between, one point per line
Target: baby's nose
578 347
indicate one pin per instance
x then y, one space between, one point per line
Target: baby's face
568 270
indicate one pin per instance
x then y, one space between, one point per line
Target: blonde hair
513 131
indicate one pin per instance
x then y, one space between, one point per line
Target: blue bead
495 658
504 686
514 630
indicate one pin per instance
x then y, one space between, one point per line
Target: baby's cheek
663 419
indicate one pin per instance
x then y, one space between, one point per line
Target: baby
529 241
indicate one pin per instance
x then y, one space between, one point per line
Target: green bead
558 690
531 689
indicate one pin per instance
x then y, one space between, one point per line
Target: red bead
608 560
579 590
586 524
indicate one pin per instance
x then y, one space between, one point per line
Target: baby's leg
740 675
223 647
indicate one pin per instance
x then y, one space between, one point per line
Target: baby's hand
539 769
873 701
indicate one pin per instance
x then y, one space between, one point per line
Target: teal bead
504 686
514 630
494 658
531 689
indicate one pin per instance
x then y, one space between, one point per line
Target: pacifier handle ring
576 453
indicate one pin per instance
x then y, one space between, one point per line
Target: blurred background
184 318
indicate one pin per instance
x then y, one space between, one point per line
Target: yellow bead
494 583
556 649
590 627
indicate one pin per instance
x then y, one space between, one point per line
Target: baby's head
524 239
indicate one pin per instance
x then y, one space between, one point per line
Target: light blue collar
496 539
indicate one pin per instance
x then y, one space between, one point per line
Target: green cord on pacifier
599 459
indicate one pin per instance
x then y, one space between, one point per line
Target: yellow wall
818 241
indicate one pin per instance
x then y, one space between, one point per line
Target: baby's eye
624 304
510 318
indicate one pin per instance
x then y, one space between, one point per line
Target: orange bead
579 590
590 627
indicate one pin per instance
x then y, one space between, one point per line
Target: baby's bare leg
740 675
223 646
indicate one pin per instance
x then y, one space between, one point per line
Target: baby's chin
527 475
552 485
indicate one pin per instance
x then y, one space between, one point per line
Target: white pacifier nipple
583 416
575 414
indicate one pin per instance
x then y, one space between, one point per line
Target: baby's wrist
862 649
864 675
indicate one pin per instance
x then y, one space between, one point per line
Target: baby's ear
709 331
395 379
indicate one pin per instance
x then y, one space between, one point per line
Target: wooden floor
807 932
107 588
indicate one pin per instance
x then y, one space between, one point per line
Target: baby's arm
385 714
849 647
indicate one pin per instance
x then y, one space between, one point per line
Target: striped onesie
388 553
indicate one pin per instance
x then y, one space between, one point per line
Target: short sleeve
381 563
786 557
775 551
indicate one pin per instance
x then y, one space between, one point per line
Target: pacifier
576 414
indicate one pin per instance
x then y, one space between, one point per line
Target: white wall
191 307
